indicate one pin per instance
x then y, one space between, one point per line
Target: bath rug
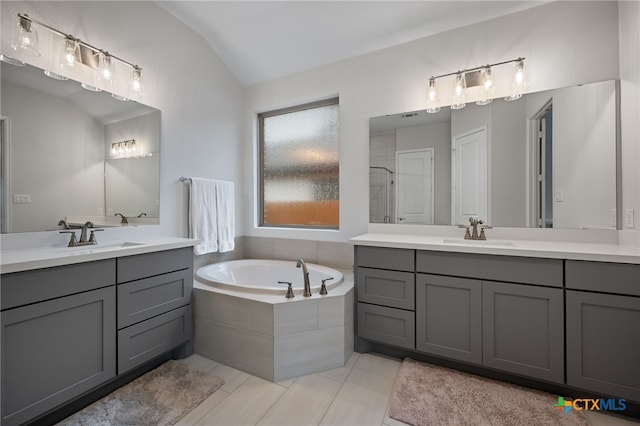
425 394
160 397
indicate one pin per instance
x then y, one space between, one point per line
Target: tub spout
305 274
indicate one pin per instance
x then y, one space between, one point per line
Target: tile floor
357 394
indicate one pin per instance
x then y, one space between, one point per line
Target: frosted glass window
299 166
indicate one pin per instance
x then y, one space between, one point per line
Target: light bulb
519 82
26 38
105 67
487 88
71 52
136 82
432 97
459 92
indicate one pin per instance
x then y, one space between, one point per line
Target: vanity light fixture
54 75
75 51
10 60
481 79
124 148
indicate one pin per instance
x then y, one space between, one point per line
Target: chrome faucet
83 234
305 274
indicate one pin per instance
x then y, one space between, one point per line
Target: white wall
200 100
564 43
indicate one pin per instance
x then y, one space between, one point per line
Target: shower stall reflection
381 195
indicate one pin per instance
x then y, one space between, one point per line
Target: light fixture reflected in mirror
26 37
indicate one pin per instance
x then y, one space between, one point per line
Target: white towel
212 215
203 218
225 202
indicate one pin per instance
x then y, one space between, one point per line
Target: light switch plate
628 219
612 217
21 198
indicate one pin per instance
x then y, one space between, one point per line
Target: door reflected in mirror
547 160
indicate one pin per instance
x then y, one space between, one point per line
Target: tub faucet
305 274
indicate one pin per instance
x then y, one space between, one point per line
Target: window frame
260 139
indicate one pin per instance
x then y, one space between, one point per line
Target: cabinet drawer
146 340
526 270
603 344
387 325
142 299
23 288
385 258
149 264
388 288
623 278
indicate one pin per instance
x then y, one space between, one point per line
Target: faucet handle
467 234
92 237
72 241
323 287
289 294
482 228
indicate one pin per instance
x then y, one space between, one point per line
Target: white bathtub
262 276
243 320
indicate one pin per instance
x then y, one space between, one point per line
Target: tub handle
323 288
289 294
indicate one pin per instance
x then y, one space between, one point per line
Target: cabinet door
387 325
54 351
387 288
603 343
523 330
448 317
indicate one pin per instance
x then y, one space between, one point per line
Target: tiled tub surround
273 337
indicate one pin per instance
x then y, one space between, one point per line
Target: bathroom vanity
93 317
536 311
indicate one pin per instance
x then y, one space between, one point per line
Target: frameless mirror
546 160
61 158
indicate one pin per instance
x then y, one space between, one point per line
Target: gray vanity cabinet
385 291
603 330
154 305
523 330
449 317
56 349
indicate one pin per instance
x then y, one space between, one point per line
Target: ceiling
264 40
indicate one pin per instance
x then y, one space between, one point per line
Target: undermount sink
478 243
95 248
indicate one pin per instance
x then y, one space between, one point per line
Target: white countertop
17 260
602 252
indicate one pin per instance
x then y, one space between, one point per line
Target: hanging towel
203 218
225 206
212 215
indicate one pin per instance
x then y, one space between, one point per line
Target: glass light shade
90 88
26 38
487 88
459 92
432 97
518 83
106 68
54 75
136 81
71 53
119 97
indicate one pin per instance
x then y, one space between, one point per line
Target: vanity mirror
546 160
61 158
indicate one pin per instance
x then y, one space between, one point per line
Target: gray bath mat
160 397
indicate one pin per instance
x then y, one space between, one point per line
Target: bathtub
242 318
262 276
